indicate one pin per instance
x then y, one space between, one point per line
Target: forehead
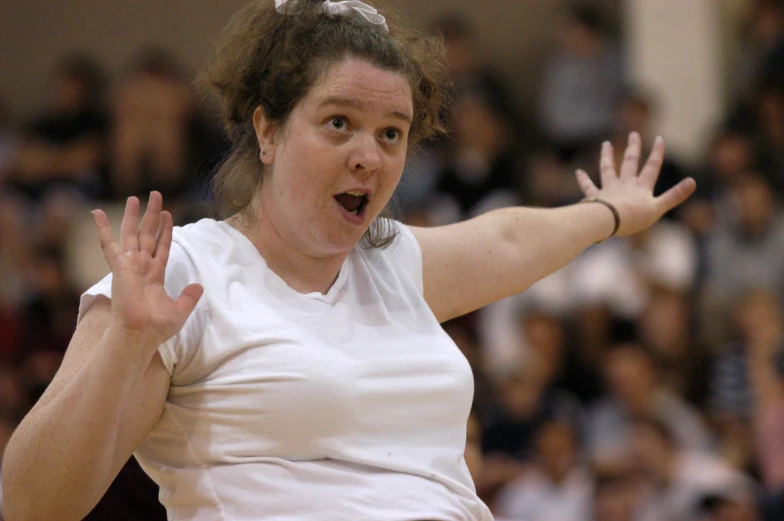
364 84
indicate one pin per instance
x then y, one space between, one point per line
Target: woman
283 364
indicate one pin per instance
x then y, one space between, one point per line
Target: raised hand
141 307
631 189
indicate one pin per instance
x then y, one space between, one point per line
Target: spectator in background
634 390
526 399
549 180
732 401
769 130
582 84
49 313
467 70
156 130
478 166
729 156
482 170
556 485
765 362
762 119
616 495
63 148
763 48
666 328
546 337
747 251
682 479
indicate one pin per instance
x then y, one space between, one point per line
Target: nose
364 156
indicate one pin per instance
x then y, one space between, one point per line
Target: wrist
130 346
616 216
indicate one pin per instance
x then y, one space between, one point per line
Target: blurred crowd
643 382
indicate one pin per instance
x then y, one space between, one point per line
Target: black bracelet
612 208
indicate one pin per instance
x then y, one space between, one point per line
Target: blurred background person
666 327
448 178
63 148
482 170
746 251
582 83
762 44
555 485
764 326
634 390
680 478
160 139
617 495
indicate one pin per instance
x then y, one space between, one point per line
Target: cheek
395 171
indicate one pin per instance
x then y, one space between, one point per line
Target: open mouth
353 202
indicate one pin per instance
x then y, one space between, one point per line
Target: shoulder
403 248
400 262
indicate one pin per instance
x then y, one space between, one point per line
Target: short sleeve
407 248
180 272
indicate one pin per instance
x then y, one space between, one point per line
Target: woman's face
348 135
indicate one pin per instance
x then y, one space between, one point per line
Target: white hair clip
347 8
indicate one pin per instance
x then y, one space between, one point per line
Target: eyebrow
355 104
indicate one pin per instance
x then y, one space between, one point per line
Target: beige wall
674 48
33 33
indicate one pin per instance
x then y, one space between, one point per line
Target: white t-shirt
284 406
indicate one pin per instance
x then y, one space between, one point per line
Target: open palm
140 304
630 190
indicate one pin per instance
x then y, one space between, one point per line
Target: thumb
676 195
188 299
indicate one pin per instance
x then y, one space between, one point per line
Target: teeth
358 194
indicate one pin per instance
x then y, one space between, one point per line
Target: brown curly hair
270 60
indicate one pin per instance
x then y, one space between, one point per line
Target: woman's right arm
112 384
100 406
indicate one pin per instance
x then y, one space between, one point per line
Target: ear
266 132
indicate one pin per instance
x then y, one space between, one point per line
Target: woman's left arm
473 263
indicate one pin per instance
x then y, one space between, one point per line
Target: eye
338 123
392 135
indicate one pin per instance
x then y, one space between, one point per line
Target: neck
301 271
